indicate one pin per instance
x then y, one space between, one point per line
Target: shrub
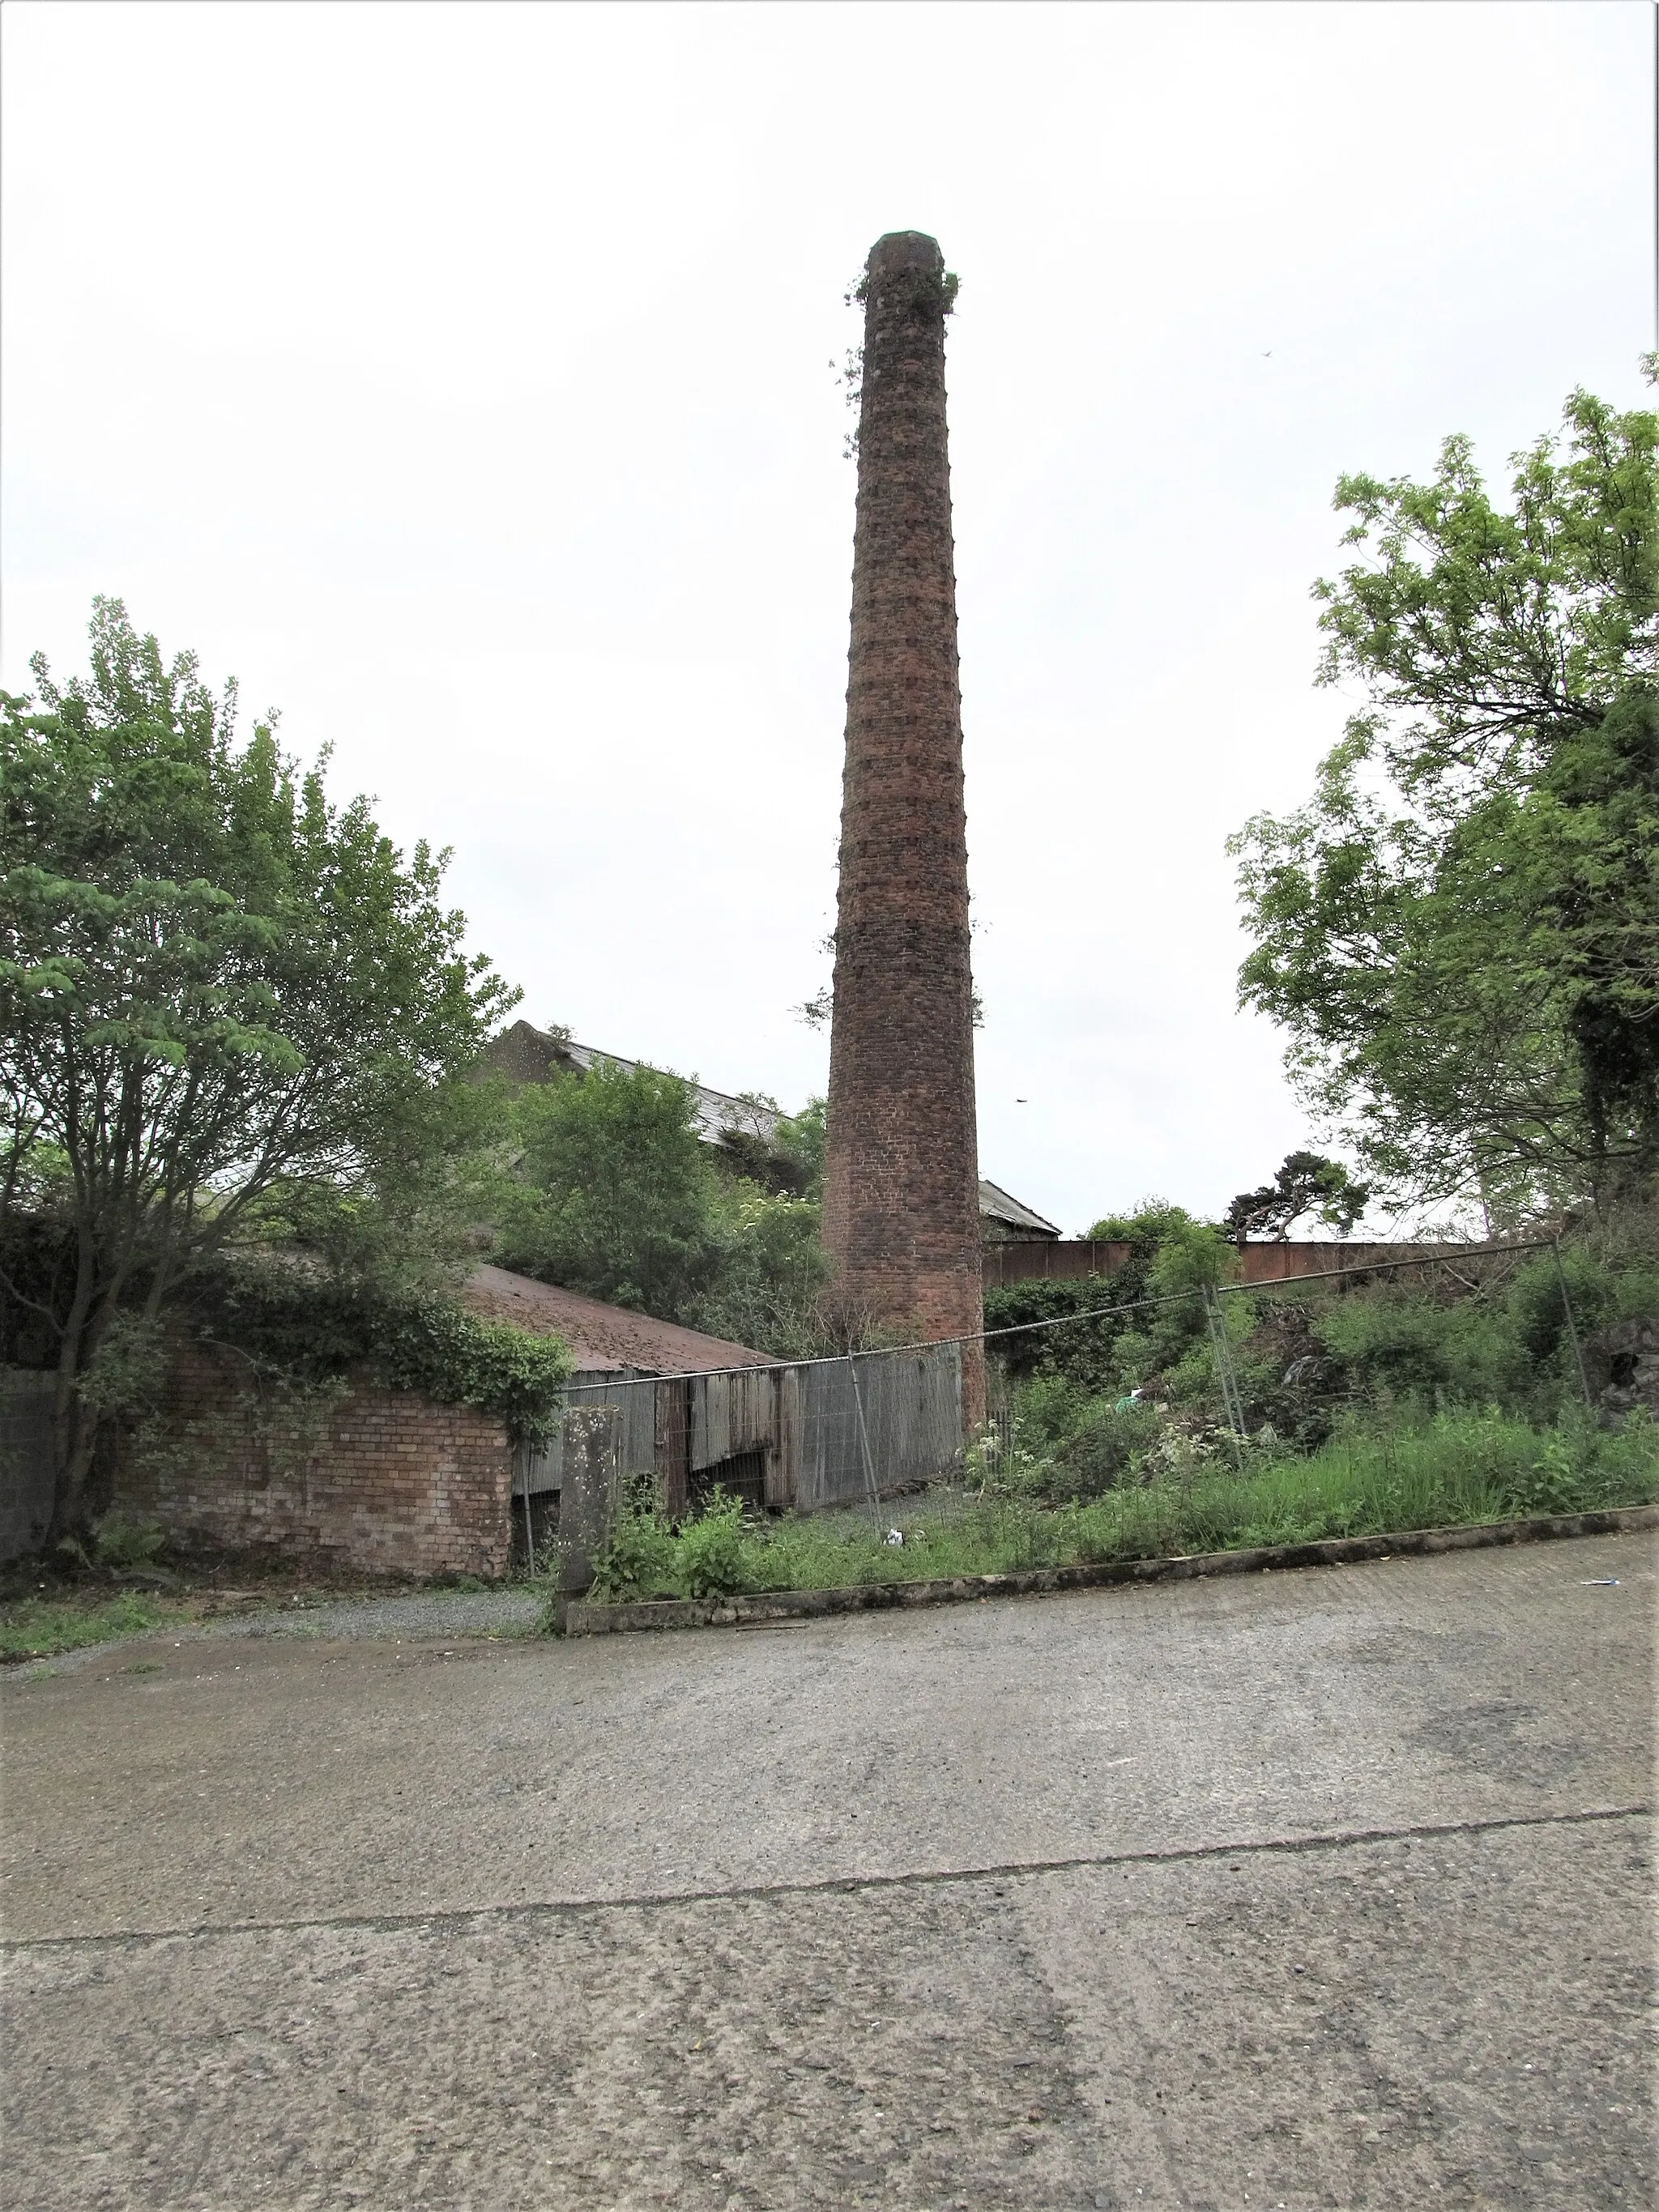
1538 1311
1049 1408
1192 1257
126 1546
1106 1448
642 1559
1405 1344
713 1554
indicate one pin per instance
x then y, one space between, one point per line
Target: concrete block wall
381 1481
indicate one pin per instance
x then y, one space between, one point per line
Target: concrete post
588 1496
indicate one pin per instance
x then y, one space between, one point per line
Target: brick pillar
901 1205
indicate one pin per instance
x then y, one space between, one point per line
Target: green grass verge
37 1628
1457 1470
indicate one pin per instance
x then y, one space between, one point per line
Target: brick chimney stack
901 1205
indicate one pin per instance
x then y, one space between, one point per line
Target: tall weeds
1448 1470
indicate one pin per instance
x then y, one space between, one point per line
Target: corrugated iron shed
1003 1215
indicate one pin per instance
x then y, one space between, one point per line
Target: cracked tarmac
1316 1889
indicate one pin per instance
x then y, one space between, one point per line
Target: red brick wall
1065 1259
901 1208
384 1482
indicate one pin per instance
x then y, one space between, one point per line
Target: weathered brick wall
900 1211
1067 1258
384 1482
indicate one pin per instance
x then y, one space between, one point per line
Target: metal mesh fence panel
807 1437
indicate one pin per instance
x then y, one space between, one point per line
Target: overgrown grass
1455 1469
36 1628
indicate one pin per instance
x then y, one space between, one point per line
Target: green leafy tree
1306 1183
227 1006
618 1197
772 1270
803 1137
1459 930
1152 1221
761 1144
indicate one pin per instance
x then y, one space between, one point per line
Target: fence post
1224 1370
864 1439
587 1499
1572 1326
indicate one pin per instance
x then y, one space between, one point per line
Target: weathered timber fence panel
535 1473
734 1412
832 1432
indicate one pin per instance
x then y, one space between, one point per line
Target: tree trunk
74 1425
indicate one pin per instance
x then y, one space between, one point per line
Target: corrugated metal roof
530 1055
604 1339
717 1111
997 1205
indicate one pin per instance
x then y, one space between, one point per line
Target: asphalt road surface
1330 1889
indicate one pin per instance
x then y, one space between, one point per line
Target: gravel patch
415 1614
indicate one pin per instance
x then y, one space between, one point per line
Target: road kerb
585 1618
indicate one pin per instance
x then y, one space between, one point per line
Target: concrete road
1322 1889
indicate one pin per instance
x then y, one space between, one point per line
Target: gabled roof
528 1054
604 1339
996 1205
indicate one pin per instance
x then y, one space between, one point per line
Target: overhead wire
1442 1257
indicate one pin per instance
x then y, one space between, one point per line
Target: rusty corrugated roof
996 1204
604 1338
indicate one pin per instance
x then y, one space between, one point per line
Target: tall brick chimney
901 1201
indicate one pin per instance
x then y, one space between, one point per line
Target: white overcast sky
457 378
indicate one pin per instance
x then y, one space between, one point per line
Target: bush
126 1546
1049 1407
1105 1448
1402 1344
1085 1355
1538 1311
642 1559
1193 1256
715 1557
770 1271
